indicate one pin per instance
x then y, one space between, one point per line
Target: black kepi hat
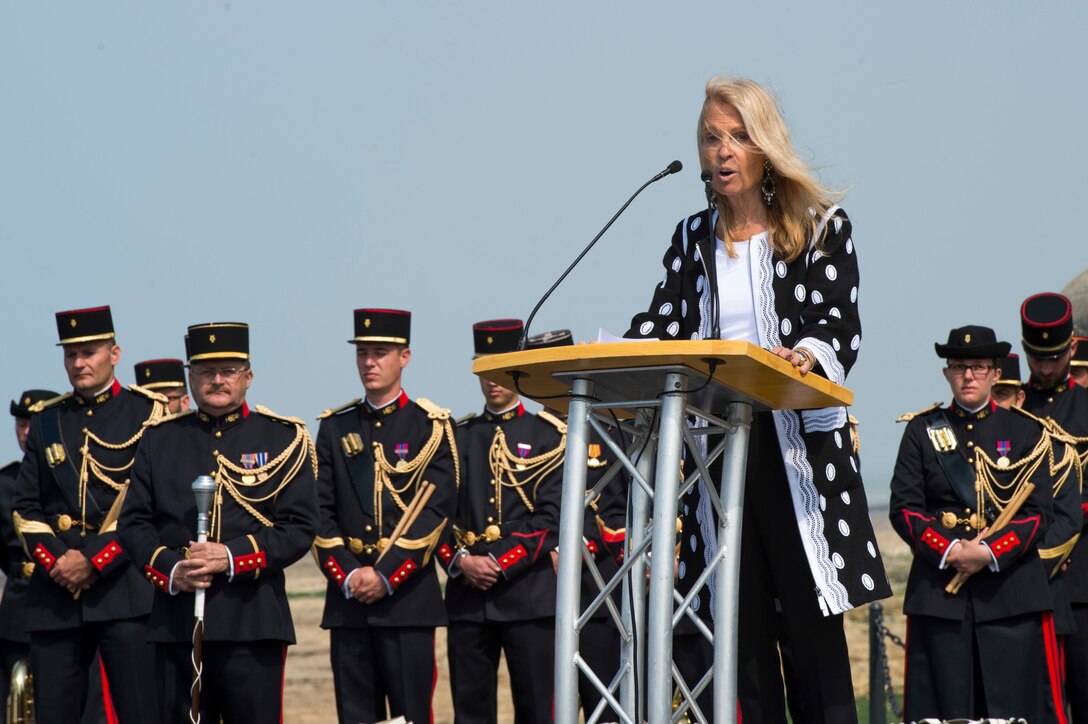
157 374
218 340
393 326
1046 323
21 407
555 338
496 336
84 325
972 342
1010 370
1080 357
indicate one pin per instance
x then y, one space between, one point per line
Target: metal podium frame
657 387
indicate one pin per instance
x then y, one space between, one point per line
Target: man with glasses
376 456
167 377
84 595
263 519
1046 322
988 650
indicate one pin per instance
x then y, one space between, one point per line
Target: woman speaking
780 271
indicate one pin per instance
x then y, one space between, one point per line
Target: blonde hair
800 201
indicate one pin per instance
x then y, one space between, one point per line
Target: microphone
669 170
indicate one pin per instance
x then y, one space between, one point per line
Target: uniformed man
501 594
1008 389
988 650
84 595
378 458
14 639
167 377
263 519
1047 330
604 532
1078 366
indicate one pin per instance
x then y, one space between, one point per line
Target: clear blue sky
283 163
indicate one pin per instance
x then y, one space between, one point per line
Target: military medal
251 461
401 449
523 452
594 454
1003 448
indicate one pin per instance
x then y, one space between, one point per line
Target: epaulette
13 464
433 411
168 418
338 410
51 402
907 417
464 418
149 394
268 413
1030 416
559 424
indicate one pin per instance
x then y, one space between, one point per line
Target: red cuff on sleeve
445 554
1084 509
105 556
43 556
401 574
511 557
159 580
934 540
1004 544
591 546
334 570
250 562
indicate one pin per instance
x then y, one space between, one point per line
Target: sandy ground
309 695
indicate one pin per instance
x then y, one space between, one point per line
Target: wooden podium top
626 371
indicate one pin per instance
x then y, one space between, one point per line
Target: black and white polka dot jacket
809 302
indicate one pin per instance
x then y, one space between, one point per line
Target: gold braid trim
428 542
908 416
1060 552
328 542
413 469
1001 494
236 479
22 526
505 467
90 466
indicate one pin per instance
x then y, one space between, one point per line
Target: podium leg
569 581
633 650
659 681
734 466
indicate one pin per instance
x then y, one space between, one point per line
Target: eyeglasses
207 374
959 369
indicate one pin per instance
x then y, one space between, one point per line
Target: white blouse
737 315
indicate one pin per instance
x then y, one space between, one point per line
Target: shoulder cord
302 447
89 466
413 469
990 487
505 466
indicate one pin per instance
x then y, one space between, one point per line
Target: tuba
20 703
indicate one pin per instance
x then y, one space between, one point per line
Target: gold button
970 426
369 528
218 434
491 500
90 413
970 444
1049 399
490 519
378 424
971 460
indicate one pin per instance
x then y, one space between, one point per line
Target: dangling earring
767 187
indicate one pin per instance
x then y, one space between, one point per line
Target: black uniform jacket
51 519
349 532
15 564
1067 406
927 513
526 588
159 519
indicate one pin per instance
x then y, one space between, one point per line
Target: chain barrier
881 690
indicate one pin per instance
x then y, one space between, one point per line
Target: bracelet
802 354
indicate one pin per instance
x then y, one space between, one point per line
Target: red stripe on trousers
1053 665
